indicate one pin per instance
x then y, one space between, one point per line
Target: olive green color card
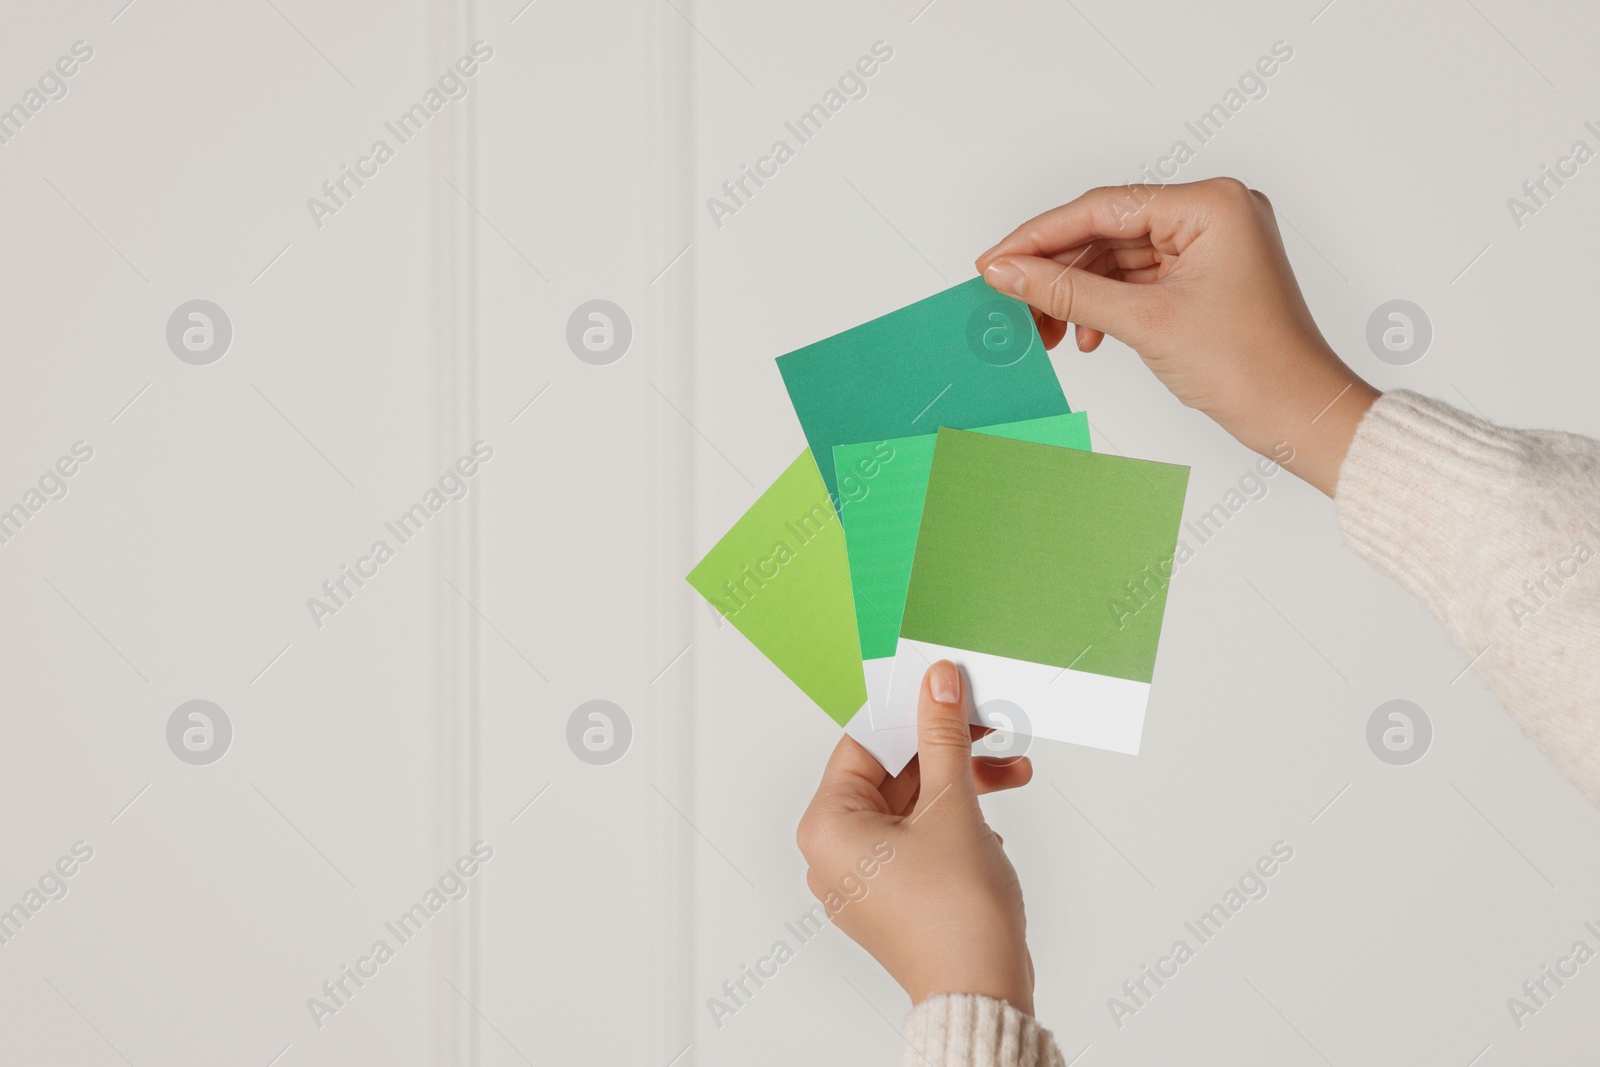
1043 573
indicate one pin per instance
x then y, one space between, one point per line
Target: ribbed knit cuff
1416 477
965 1030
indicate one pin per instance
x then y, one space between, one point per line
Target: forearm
1495 531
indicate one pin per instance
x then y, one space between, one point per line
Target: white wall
425 715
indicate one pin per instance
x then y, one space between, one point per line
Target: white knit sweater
1495 531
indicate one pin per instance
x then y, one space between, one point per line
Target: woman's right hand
945 916
1195 279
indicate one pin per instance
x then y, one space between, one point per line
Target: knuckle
1058 296
1037 236
1231 191
818 838
807 835
1116 204
946 733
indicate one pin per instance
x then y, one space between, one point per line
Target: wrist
1307 419
1016 989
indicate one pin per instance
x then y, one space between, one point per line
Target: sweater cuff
966 1030
1411 480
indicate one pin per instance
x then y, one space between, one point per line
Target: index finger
852 779
1132 213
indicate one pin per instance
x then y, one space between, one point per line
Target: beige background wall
431 710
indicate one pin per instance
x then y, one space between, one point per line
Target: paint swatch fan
898 538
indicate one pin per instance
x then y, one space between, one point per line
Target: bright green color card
968 356
780 576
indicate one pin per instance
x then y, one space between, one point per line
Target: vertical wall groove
671 725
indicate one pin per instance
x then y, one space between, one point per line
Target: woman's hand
1195 279
943 912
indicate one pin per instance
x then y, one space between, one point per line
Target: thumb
1071 294
944 741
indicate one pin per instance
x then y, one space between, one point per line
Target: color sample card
881 489
1042 572
780 576
968 356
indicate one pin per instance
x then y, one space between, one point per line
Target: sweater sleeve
965 1030
1494 530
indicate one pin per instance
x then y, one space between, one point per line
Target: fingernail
1005 276
944 683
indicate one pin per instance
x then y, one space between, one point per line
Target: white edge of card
878 674
1075 706
892 747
